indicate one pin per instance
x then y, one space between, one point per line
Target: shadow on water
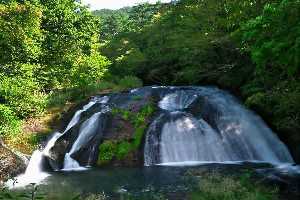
158 182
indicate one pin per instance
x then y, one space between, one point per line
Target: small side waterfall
86 133
35 171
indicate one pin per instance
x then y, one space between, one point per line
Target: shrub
273 37
106 152
89 69
22 96
9 123
130 82
123 150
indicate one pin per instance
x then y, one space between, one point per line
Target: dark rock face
98 121
108 127
11 164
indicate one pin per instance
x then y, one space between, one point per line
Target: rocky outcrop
112 129
11 164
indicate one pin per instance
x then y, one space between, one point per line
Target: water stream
192 126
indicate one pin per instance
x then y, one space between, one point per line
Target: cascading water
86 132
208 125
191 125
35 172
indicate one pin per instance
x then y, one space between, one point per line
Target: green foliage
69 43
138 136
46 46
183 44
22 95
110 149
112 22
273 38
20 36
119 149
281 104
130 82
9 123
106 151
89 70
123 149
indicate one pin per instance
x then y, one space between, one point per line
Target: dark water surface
158 182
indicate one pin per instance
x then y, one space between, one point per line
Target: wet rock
11 164
215 114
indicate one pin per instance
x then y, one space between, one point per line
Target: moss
106 152
137 98
120 149
123 149
138 136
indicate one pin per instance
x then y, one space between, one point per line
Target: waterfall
177 101
191 125
35 172
86 132
77 115
220 131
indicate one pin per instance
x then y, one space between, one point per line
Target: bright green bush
22 96
89 70
106 152
20 35
123 149
9 123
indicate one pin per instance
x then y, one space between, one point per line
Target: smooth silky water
194 127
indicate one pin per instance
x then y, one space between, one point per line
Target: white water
177 101
51 143
34 172
237 135
86 132
189 139
77 115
